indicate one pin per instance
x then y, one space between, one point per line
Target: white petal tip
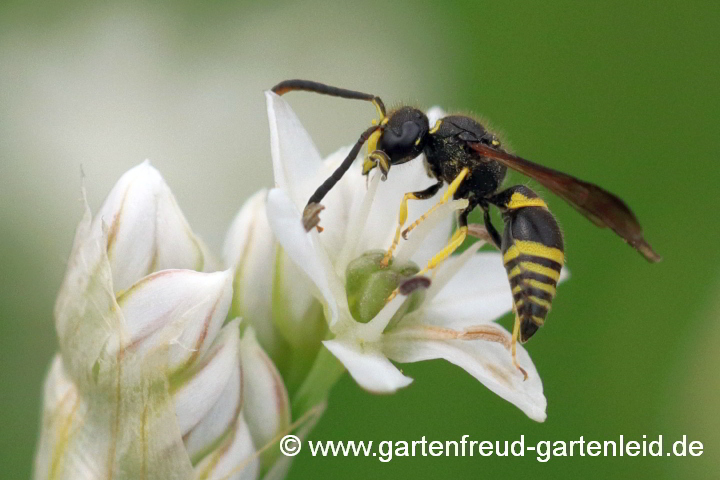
368 367
146 168
539 416
228 274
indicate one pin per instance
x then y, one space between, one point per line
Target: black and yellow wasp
463 153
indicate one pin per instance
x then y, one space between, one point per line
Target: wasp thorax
369 284
403 137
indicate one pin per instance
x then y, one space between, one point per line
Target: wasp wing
597 204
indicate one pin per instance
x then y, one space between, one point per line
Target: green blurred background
626 94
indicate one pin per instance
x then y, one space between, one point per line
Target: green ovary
368 284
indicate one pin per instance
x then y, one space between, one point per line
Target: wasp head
400 138
403 137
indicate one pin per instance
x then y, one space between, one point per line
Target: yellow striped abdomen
533 254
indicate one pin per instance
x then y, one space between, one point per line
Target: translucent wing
597 204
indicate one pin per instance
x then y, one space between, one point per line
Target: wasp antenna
316 87
328 184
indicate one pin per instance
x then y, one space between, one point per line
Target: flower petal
478 292
182 307
303 249
370 368
434 114
357 219
299 170
341 202
176 244
146 231
250 250
232 461
402 179
202 386
266 403
249 223
296 160
489 362
219 419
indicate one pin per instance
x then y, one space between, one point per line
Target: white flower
468 292
149 383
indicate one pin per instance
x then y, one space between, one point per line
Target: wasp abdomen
533 253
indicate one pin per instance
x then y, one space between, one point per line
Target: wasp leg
516 332
487 232
455 241
402 216
448 195
494 235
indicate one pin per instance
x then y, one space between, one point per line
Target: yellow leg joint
515 334
448 195
380 111
402 218
455 184
457 239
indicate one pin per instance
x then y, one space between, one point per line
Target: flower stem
323 375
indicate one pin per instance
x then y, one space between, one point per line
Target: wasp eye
398 145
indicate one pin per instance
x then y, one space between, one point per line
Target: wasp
461 152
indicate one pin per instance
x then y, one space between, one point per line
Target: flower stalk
322 377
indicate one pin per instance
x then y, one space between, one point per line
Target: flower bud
267 406
146 231
215 433
272 294
250 252
147 378
182 308
196 390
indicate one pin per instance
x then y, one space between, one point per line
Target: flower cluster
175 366
152 381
